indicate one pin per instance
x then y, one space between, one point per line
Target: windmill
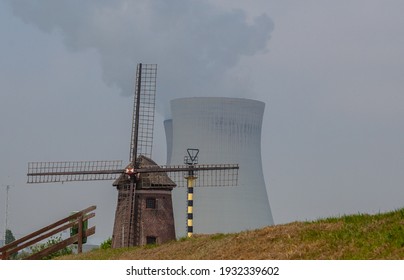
144 211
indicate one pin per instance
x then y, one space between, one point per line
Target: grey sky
329 72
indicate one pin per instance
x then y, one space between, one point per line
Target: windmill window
151 203
151 240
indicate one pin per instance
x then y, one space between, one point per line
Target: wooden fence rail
73 221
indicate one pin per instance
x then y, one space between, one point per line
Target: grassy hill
359 236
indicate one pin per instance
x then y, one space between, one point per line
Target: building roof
154 180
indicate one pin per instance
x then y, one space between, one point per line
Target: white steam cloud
194 43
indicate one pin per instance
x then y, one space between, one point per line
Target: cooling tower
225 130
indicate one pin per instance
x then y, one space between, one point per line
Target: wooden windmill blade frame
209 175
143 112
69 171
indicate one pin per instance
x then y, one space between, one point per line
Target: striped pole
190 212
191 160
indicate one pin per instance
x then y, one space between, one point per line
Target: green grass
363 236
358 237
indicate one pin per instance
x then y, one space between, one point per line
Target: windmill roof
152 180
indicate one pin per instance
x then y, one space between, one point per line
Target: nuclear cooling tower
225 130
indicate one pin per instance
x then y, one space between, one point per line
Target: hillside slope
359 236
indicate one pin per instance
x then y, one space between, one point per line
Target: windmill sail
67 171
209 175
143 111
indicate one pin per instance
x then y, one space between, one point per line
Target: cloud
194 43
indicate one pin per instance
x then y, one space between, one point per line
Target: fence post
80 234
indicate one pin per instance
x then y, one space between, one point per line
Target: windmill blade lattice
67 171
209 175
143 111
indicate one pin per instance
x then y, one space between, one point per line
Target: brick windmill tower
144 212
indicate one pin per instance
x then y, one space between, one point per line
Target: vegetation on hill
359 236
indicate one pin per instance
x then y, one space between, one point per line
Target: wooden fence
74 221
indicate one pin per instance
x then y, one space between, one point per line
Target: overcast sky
330 73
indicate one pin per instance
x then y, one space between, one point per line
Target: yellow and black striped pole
191 160
190 197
